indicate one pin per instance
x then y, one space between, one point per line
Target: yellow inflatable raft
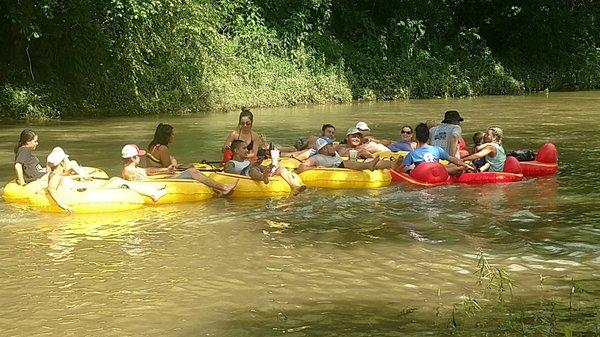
345 178
178 190
91 200
14 192
248 188
290 164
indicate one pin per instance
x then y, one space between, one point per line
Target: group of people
243 148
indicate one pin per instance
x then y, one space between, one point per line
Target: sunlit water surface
366 262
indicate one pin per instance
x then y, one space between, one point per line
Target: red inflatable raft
435 174
545 163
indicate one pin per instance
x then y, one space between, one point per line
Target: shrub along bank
134 57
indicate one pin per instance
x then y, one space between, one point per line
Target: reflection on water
373 262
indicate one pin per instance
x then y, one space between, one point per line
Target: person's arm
229 167
165 157
19 173
256 143
306 165
459 162
53 183
151 171
232 136
364 153
453 148
482 153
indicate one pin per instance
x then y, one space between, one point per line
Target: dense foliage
82 57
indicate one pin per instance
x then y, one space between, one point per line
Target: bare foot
161 192
373 163
228 189
298 190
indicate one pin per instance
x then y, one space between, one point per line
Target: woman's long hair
245 113
162 135
26 136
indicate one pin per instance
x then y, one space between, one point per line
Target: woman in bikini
243 132
160 157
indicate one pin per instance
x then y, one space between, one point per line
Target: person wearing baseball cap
130 171
447 134
327 156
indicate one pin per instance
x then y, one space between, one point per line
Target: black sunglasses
406 132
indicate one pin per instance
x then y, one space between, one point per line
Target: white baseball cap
56 156
321 143
131 150
362 126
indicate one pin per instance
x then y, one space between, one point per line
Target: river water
394 261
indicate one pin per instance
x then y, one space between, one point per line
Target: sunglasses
406 132
246 123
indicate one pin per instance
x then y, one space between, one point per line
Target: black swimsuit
251 144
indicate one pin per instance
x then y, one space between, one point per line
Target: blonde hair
497 133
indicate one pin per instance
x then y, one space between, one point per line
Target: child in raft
478 140
492 151
58 183
240 164
27 166
131 154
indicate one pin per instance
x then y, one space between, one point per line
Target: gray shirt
32 170
328 161
440 136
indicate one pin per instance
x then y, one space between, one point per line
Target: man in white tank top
447 134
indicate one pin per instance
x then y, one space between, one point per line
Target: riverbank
142 57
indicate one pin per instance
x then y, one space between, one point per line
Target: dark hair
162 135
325 126
422 132
246 113
236 143
478 137
26 136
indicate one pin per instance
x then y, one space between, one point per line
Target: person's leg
289 178
154 192
395 164
256 173
224 189
300 155
358 165
72 165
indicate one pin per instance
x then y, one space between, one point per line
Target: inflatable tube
14 192
345 178
92 200
434 174
290 164
487 178
426 174
248 188
545 163
178 190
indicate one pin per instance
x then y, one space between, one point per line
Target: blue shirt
427 154
400 145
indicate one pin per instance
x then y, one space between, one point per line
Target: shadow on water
575 316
